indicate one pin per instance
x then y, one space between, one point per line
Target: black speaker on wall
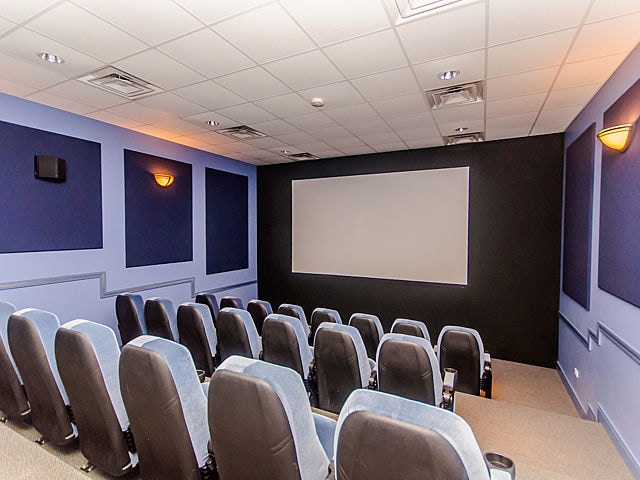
50 168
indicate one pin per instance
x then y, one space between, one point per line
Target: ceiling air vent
464 138
121 83
411 8
241 132
455 95
302 156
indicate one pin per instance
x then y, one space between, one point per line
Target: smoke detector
241 132
455 95
120 82
464 138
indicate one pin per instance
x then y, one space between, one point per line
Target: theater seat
323 315
259 309
262 426
237 334
210 300
87 355
13 401
408 367
341 364
461 348
370 330
406 326
198 334
31 340
167 408
381 436
130 314
295 311
160 316
231 302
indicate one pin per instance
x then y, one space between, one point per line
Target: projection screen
401 225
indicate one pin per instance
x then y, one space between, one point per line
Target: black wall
515 212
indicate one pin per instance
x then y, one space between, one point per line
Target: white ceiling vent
302 156
121 83
464 138
410 8
455 95
241 132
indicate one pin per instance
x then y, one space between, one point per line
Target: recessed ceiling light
213 123
462 129
317 102
448 75
50 57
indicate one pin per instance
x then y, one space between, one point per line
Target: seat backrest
13 401
130 314
370 330
407 366
87 355
231 302
198 334
295 311
160 316
285 343
381 436
237 334
259 309
261 423
210 300
167 408
341 364
461 348
406 326
31 340
323 315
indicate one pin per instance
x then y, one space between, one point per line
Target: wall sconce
617 137
164 179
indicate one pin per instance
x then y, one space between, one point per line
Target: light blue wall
82 283
604 343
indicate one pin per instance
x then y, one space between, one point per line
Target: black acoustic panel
515 202
43 216
578 208
158 220
619 255
227 203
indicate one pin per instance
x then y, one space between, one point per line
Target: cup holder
201 375
495 461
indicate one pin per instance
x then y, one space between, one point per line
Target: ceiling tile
266 33
305 70
363 150
328 153
253 84
418 133
380 138
602 9
512 121
209 12
331 21
172 104
311 121
275 127
335 95
71 25
87 94
314 147
596 70
286 105
353 113
435 31
571 96
136 111
330 133
160 69
368 128
342 143
425 143
513 20
112 118
514 105
229 143
545 128
608 37
536 81
390 147
463 113
60 102
28 74
531 54
21 11
201 120
15 89
470 65
6 25
246 113
390 107
190 141
266 142
472 126
209 94
156 132
413 120
180 127
392 83
366 55
559 115
224 57
142 19
296 138
498 134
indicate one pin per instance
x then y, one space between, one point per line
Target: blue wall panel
38 215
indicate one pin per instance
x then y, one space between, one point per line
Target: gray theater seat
323 315
198 334
231 302
259 309
160 316
13 400
295 311
262 426
370 330
31 340
407 326
237 334
130 314
210 300
167 408
87 355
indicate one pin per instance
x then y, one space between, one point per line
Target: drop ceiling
260 62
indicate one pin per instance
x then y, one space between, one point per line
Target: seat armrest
325 429
486 382
486 357
499 474
449 388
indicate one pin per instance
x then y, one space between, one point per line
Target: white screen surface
401 225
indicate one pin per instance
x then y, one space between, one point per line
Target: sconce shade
617 137
164 179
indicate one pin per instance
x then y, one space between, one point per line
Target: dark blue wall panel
38 215
619 255
227 221
578 201
158 221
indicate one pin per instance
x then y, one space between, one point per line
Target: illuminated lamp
617 137
164 179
